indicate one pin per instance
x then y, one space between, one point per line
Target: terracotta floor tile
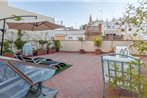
82 80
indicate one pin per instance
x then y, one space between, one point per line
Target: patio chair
40 60
116 66
122 50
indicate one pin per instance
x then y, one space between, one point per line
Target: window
70 38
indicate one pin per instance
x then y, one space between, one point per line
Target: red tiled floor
82 80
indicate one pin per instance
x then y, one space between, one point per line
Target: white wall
74 34
74 37
89 46
45 35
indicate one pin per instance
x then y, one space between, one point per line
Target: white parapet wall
88 46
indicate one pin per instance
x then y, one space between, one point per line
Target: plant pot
19 52
112 92
9 55
47 51
35 52
97 51
41 52
50 51
119 93
82 51
57 50
111 51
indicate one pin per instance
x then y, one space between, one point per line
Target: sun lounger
13 85
40 60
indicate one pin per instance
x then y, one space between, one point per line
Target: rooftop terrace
82 80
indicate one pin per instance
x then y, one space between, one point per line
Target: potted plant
42 51
112 91
82 51
57 45
19 43
97 42
48 43
52 50
112 47
36 47
7 52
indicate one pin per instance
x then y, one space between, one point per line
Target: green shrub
6 45
19 43
48 43
57 45
97 41
7 51
42 43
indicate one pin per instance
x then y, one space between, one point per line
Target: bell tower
90 19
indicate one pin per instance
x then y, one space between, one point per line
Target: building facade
92 29
69 34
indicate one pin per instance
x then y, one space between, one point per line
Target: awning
32 25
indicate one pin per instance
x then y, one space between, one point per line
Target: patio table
122 62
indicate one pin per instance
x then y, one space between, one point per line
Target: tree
135 16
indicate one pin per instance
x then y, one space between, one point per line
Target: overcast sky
74 12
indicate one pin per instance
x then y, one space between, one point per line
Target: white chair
122 50
27 49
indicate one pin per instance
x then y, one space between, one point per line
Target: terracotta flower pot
119 93
50 51
19 52
112 92
41 52
111 51
9 55
82 51
97 51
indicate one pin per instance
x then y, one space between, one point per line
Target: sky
74 12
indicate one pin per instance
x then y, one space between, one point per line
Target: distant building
129 31
92 29
69 34
111 30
